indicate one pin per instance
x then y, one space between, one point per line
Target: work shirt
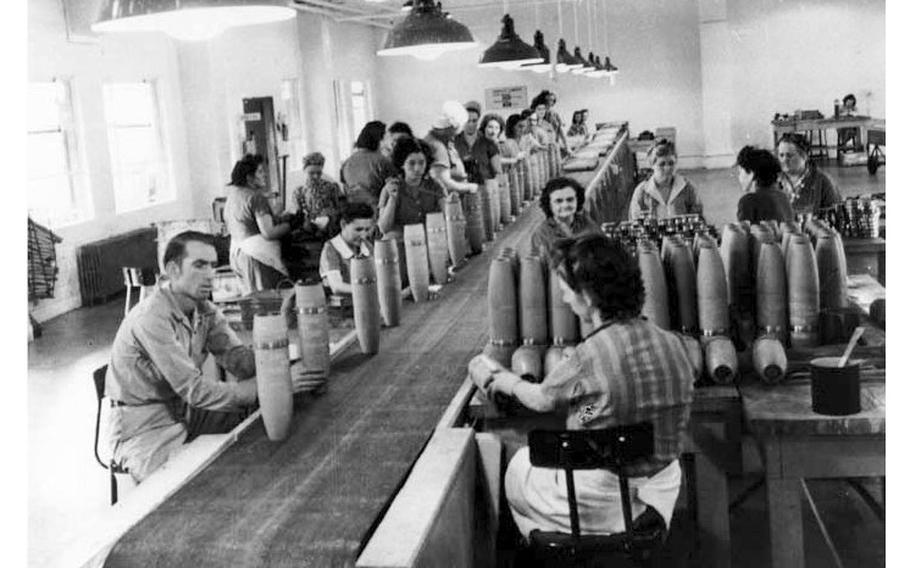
647 200
240 210
764 204
624 373
336 257
811 192
156 370
413 204
320 198
445 155
363 175
477 157
550 231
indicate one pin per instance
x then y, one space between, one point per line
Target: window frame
79 197
167 192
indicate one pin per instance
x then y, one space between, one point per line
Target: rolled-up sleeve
229 351
158 338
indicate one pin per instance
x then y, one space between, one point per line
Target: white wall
655 45
803 55
201 88
720 93
88 66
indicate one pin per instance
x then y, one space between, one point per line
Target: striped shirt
627 372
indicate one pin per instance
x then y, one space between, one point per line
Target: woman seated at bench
626 371
335 262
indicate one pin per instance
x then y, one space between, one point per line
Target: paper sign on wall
503 98
250 116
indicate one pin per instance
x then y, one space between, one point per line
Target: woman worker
626 371
409 196
562 202
513 156
488 161
665 193
353 240
319 199
758 175
810 190
255 253
364 172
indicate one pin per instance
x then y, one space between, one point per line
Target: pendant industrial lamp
599 71
564 60
579 58
544 52
540 46
426 33
611 69
191 20
509 51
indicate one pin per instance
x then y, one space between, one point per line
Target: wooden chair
136 277
113 468
613 449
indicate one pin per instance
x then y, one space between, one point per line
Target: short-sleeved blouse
240 210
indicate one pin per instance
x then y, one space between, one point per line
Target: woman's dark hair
762 163
401 128
526 113
176 247
543 98
490 117
512 124
578 116
371 135
661 149
556 184
404 147
798 140
355 210
245 167
850 97
603 268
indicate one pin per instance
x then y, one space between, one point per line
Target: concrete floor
68 491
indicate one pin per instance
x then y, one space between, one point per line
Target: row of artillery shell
525 306
533 362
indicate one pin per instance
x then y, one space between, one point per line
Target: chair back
99 377
606 448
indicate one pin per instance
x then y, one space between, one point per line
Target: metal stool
99 376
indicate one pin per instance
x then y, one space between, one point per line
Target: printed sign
251 116
507 98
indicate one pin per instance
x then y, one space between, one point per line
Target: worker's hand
472 187
391 187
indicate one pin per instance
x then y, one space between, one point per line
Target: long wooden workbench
313 499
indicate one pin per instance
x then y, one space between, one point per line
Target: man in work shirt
159 396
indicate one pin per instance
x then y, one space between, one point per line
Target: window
57 184
138 159
359 105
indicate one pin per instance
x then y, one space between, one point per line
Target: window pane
129 103
46 155
44 102
134 145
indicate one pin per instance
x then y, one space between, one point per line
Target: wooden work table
312 499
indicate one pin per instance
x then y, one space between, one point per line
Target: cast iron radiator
100 263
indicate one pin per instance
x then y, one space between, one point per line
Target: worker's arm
157 337
269 229
443 176
388 203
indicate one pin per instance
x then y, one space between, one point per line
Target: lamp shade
509 51
565 61
188 19
585 66
426 33
596 69
611 69
544 51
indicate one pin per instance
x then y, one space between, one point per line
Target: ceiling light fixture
509 51
544 51
564 60
190 20
581 66
426 33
